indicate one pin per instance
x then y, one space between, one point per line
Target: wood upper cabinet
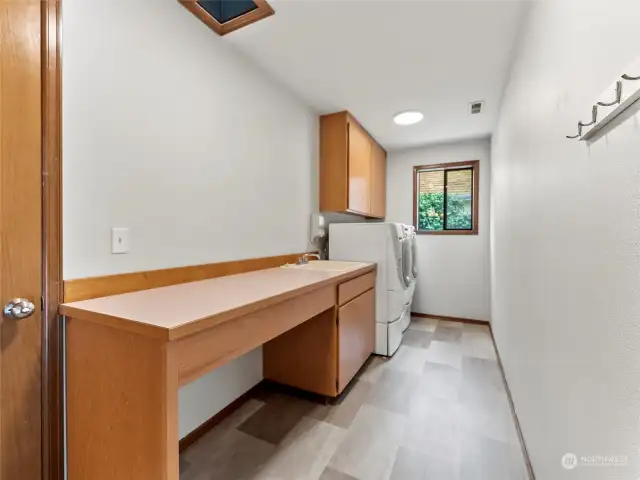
359 159
378 181
352 168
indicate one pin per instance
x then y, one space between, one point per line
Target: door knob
19 308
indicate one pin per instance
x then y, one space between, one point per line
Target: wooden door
359 169
356 335
20 238
378 181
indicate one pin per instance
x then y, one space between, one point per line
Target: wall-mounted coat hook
594 118
618 108
618 96
579 132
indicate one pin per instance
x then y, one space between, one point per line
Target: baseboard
200 431
516 421
450 319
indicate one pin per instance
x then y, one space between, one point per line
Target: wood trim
475 164
437 166
52 411
450 319
264 10
448 232
516 421
347 291
200 354
202 14
199 432
94 287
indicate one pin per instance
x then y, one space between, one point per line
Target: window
445 198
225 16
225 11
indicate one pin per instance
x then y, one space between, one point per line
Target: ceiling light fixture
408 118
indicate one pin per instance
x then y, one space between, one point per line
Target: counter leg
122 405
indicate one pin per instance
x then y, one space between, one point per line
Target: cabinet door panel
356 336
334 168
378 181
359 169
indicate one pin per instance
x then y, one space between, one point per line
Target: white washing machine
390 246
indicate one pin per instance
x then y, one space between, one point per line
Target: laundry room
319 239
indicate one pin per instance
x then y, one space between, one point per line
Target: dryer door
406 262
414 256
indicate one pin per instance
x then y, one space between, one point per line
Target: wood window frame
474 165
264 10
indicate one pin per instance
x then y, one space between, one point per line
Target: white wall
203 398
565 241
453 278
170 132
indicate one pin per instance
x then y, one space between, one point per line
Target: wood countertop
170 313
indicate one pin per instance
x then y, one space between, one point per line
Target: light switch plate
120 240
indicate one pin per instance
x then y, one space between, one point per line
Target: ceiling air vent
476 107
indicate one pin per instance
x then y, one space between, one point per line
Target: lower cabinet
323 354
356 336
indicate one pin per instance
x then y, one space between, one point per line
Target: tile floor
437 410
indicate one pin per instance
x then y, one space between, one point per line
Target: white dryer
388 245
410 233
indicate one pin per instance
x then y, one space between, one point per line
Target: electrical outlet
120 240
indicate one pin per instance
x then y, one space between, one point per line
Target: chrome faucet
304 259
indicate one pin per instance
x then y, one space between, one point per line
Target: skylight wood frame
263 10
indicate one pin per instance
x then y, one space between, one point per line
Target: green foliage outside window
431 212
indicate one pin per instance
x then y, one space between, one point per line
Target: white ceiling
378 57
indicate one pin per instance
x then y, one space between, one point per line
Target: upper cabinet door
378 181
359 169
